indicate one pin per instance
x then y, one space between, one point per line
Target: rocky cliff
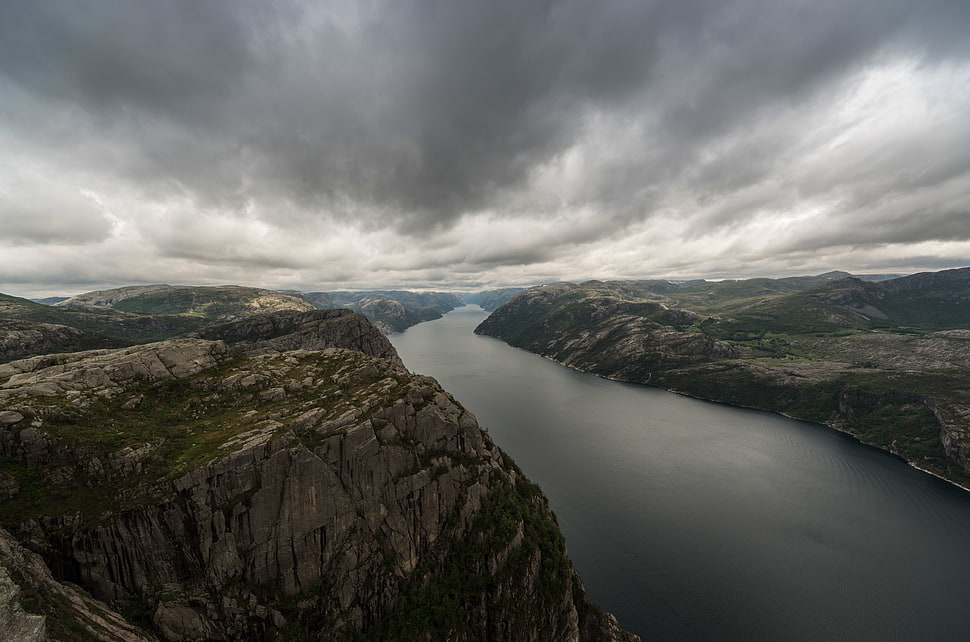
602 331
236 488
70 613
809 354
316 330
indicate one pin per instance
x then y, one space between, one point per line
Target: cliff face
601 332
217 489
391 310
316 330
71 614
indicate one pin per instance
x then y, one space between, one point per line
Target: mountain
211 303
885 361
99 325
50 300
391 310
493 299
196 306
920 302
282 476
138 314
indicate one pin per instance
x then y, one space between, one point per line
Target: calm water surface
695 521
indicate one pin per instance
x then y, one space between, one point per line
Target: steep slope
57 611
298 494
391 310
493 299
807 354
316 330
602 328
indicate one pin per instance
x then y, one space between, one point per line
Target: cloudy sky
450 144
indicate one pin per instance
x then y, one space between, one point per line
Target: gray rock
22 570
314 486
10 417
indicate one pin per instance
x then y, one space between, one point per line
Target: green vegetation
185 423
107 327
210 303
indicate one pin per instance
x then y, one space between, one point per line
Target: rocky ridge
238 487
19 339
212 303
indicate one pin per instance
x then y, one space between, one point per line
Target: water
696 521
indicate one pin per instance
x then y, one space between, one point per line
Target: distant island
883 359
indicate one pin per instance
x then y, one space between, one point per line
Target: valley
885 361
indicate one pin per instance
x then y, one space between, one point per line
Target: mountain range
884 360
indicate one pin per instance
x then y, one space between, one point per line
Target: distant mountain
138 314
920 302
103 322
493 299
886 361
390 310
51 300
928 300
211 303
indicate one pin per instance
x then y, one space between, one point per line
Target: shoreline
682 393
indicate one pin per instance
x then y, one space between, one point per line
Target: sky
467 145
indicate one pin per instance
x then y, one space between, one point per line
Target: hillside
211 303
493 299
99 326
391 310
286 478
921 302
886 361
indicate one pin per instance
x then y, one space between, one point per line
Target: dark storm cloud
412 115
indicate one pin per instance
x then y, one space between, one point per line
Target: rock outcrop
234 488
61 611
316 330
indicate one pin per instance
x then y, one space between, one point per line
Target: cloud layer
457 144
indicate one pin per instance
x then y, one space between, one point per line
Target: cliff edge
245 487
